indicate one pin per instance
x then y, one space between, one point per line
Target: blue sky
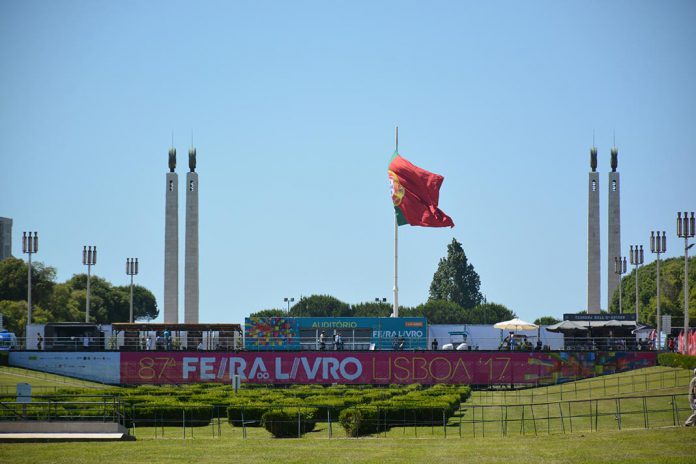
293 105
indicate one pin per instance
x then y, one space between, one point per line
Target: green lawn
593 420
41 382
652 380
674 445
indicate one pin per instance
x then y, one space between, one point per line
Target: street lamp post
89 259
658 245
131 270
686 228
288 301
636 256
620 269
30 245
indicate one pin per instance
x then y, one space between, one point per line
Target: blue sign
355 333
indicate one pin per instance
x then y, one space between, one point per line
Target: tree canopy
320 306
671 291
455 279
435 311
65 302
546 320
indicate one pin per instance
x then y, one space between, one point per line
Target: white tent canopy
566 326
515 324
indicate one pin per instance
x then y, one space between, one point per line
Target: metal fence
151 341
592 415
595 387
470 421
101 408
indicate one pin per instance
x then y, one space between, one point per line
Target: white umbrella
516 324
566 326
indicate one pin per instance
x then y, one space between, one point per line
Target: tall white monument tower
191 258
593 256
171 244
614 221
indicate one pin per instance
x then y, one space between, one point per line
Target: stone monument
171 244
191 244
5 238
614 222
593 238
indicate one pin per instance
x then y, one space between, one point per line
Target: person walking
39 341
433 344
691 421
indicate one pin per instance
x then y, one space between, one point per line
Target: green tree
489 313
371 309
269 313
63 304
111 304
13 281
671 291
546 320
455 279
14 315
437 312
320 306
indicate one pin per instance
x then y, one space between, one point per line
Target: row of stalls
80 336
341 333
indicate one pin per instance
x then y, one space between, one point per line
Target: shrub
358 422
325 404
247 414
171 414
283 423
676 360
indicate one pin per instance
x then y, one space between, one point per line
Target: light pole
658 245
30 245
131 270
636 260
288 301
620 269
89 259
686 228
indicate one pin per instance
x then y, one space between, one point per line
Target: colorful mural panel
475 368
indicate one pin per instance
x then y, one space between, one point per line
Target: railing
471 421
348 343
594 387
591 415
101 408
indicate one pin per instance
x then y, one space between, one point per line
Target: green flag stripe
400 219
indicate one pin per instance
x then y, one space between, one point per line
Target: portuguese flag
415 193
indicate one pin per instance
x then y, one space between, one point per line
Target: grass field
544 425
673 446
41 382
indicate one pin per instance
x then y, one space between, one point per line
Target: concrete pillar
191 245
171 250
5 238
614 223
593 242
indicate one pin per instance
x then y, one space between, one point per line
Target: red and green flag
415 193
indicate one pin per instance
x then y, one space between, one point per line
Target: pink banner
375 367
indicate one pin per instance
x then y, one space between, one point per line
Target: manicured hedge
393 405
171 414
358 422
247 412
289 422
676 360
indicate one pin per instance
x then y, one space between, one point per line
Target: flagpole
395 311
